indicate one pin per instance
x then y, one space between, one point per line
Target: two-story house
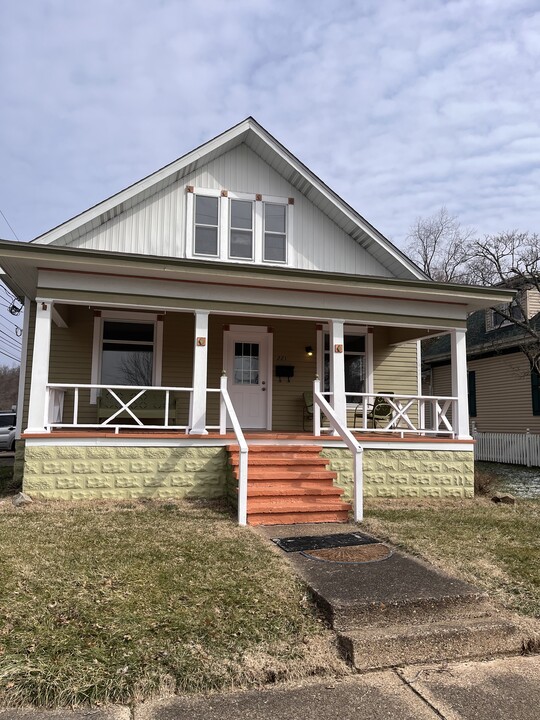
230 326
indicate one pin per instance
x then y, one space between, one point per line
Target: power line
16 359
9 226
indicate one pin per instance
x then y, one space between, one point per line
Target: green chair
380 412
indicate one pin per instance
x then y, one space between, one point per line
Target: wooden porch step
296 518
277 450
270 473
290 484
303 459
271 490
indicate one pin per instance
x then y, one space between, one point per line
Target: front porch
213 381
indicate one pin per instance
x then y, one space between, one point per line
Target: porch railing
121 406
400 414
321 405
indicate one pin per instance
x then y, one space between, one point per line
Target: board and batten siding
157 225
503 393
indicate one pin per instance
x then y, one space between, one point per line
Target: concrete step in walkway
400 610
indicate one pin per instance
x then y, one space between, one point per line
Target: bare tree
512 259
137 368
9 386
441 247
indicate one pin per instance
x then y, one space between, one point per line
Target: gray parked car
7 430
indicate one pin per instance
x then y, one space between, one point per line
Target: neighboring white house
177 329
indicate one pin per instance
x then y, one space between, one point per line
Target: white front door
247 363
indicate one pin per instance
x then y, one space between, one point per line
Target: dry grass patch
494 546
115 602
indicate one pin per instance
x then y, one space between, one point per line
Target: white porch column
337 370
40 367
197 420
460 420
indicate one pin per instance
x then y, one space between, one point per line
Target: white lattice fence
513 448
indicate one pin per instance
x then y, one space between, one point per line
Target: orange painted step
289 474
296 503
297 518
278 449
265 490
315 485
287 459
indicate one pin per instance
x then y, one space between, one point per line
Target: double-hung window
238 226
275 232
206 226
241 230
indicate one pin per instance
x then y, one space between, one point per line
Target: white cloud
400 106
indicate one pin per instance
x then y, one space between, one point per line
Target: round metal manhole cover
352 553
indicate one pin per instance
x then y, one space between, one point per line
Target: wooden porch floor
277 437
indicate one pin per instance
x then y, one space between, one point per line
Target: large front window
355 365
127 353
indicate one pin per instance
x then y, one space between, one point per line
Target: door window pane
246 363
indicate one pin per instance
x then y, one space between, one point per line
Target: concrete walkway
503 689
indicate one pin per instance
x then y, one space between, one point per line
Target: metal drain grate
323 542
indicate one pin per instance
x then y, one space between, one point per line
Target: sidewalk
503 689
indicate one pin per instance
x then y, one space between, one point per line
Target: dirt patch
355 553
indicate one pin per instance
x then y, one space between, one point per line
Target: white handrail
351 443
243 465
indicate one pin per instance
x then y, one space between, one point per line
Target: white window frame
271 232
125 316
368 354
218 228
230 228
224 225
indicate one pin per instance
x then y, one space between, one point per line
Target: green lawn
115 602
492 545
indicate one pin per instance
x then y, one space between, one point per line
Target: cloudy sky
401 106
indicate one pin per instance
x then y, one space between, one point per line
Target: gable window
275 232
241 230
206 225
127 354
238 226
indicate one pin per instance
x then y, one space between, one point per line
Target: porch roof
21 264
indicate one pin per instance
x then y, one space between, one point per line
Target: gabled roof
280 159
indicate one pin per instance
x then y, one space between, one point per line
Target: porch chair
308 410
380 411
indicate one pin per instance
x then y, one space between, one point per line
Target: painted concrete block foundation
407 473
77 473
109 472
